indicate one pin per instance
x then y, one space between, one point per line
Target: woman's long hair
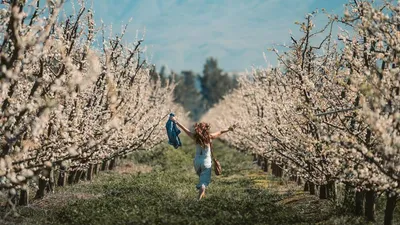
202 134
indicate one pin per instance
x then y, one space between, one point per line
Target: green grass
167 195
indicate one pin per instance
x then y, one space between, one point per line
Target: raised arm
187 131
219 133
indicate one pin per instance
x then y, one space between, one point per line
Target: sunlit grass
158 187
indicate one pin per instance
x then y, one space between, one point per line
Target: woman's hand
173 118
231 128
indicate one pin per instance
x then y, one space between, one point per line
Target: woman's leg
197 167
204 177
202 192
204 181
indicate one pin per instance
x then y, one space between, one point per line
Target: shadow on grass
165 194
151 200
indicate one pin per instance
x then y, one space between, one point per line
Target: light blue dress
202 165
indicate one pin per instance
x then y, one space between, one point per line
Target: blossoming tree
69 108
329 112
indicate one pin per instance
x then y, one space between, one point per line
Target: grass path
158 187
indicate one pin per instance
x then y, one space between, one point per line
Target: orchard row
67 103
329 113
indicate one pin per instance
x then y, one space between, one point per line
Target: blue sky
181 34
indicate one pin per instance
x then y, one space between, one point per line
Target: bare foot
202 192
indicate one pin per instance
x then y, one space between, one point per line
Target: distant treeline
198 92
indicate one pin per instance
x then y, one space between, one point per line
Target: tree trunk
299 181
43 184
265 165
112 164
78 176
42 187
349 198
370 197
89 173
331 190
306 186
273 168
51 184
259 160
14 200
83 175
96 169
312 188
280 171
24 197
62 178
104 166
359 203
391 199
117 161
323 191
71 176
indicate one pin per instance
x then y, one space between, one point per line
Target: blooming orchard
330 112
64 103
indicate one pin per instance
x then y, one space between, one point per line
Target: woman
202 160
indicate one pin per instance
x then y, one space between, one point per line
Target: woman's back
203 157
203 152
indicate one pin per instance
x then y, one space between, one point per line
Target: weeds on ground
158 187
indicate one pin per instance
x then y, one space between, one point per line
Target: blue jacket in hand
173 133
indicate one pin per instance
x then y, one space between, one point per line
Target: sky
182 34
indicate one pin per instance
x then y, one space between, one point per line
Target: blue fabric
203 170
173 133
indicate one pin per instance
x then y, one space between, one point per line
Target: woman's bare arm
219 133
187 131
